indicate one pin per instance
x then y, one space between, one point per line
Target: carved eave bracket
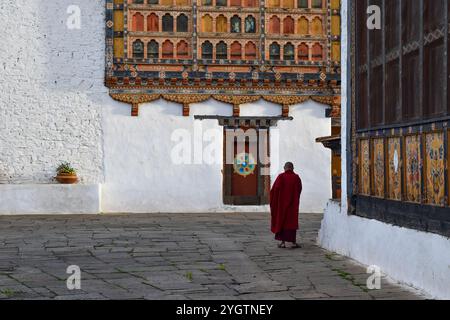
331 142
135 100
185 100
236 101
285 101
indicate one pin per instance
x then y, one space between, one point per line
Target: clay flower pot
66 178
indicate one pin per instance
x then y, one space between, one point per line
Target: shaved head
288 166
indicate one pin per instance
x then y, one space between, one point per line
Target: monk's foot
282 245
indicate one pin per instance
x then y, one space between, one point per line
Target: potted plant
66 174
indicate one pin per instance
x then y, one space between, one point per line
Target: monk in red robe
284 206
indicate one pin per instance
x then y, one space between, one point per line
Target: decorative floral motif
413 163
394 174
435 168
365 167
378 167
244 164
323 76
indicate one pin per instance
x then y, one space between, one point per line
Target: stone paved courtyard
174 256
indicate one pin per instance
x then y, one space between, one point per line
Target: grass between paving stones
189 276
8 292
347 276
222 267
331 256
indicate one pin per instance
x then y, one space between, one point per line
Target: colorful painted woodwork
435 168
420 164
413 168
394 169
365 166
223 47
378 168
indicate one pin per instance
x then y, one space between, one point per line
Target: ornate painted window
207 23
275 51
317 4
303 26
303 52
250 24
138 22
221 24
236 51
275 25
233 50
303 4
138 49
167 23
152 23
236 24
167 49
182 23
288 25
182 50
250 51
222 50
153 50
207 50
289 51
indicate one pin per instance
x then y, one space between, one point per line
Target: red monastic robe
285 201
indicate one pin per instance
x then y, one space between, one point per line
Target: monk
284 206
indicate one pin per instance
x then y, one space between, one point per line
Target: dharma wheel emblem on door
244 164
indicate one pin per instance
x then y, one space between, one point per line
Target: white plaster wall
141 176
49 199
417 259
312 161
51 81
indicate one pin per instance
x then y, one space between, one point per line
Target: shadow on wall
212 107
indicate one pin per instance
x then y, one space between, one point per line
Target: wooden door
245 178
